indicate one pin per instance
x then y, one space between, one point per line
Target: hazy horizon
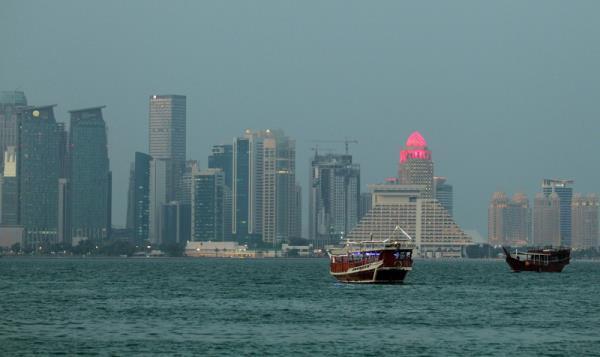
505 93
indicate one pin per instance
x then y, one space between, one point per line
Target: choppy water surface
288 307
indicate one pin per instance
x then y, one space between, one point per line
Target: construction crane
346 142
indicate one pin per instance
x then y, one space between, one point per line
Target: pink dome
416 140
416 148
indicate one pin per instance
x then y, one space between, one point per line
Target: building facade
208 220
167 144
10 102
546 220
584 210
264 193
158 197
366 203
9 199
431 228
334 198
509 220
222 158
176 223
240 200
139 206
38 171
89 174
565 193
444 193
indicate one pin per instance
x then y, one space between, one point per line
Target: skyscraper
208 205
89 174
444 193
64 211
585 221
546 220
241 188
184 194
10 102
509 220
565 193
9 202
334 198
415 166
263 194
222 158
176 222
285 207
38 171
519 218
140 198
158 197
497 218
168 137
297 229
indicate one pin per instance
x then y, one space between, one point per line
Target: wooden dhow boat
539 259
371 261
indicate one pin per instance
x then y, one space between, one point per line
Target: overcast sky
505 92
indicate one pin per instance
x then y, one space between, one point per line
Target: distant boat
372 261
539 259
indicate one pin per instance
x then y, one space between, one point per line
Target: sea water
203 307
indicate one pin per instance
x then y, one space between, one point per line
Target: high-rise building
509 220
89 174
157 198
546 220
176 222
240 201
64 211
334 198
444 193
208 223
263 192
9 200
519 219
432 229
168 137
222 158
63 151
416 166
184 194
565 193
285 206
130 200
10 102
38 171
139 201
263 186
297 229
497 218
585 221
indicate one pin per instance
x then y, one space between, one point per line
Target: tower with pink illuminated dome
415 166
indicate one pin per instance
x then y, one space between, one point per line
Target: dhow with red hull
374 262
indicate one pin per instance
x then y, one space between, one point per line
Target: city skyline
496 102
415 147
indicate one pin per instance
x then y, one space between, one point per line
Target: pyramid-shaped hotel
409 202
